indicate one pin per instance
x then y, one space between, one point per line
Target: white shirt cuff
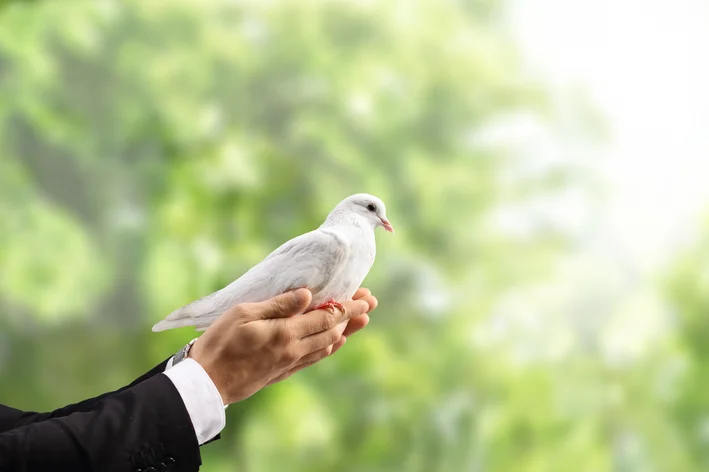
201 397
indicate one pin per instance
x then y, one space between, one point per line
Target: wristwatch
182 353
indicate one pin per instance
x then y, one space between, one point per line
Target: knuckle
333 336
278 305
283 336
252 335
329 320
239 311
352 310
246 307
281 305
290 356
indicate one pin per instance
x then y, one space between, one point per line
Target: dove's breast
362 250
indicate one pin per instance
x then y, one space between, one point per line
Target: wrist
196 354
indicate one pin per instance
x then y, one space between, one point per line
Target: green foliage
688 288
153 151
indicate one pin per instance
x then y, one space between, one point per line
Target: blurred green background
152 151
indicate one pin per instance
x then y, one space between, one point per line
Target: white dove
331 261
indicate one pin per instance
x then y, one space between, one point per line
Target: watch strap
182 353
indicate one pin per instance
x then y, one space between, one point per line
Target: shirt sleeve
202 400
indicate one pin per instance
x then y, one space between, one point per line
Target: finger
371 301
311 359
319 321
356 324
282 306
318 355
361 292
320 340
336 347
285 375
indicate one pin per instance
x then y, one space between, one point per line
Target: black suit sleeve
143 427
10 418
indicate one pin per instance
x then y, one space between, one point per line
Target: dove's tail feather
170 324
200 314
200 324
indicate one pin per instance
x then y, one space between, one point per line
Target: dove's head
367 207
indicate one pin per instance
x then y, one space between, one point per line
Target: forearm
141 426
11 418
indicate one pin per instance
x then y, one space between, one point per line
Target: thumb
284 305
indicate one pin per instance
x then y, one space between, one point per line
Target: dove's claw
330 306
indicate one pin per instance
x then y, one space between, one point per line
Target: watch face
182 353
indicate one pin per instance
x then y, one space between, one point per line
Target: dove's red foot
330 306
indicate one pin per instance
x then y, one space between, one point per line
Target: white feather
331 261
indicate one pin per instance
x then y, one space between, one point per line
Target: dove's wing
310 260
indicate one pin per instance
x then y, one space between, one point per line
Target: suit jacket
143 427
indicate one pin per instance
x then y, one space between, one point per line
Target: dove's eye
372 207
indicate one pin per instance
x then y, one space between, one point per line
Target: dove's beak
387 225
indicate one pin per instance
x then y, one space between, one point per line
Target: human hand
252 344
351 327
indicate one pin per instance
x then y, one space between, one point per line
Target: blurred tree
153 151
688 290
